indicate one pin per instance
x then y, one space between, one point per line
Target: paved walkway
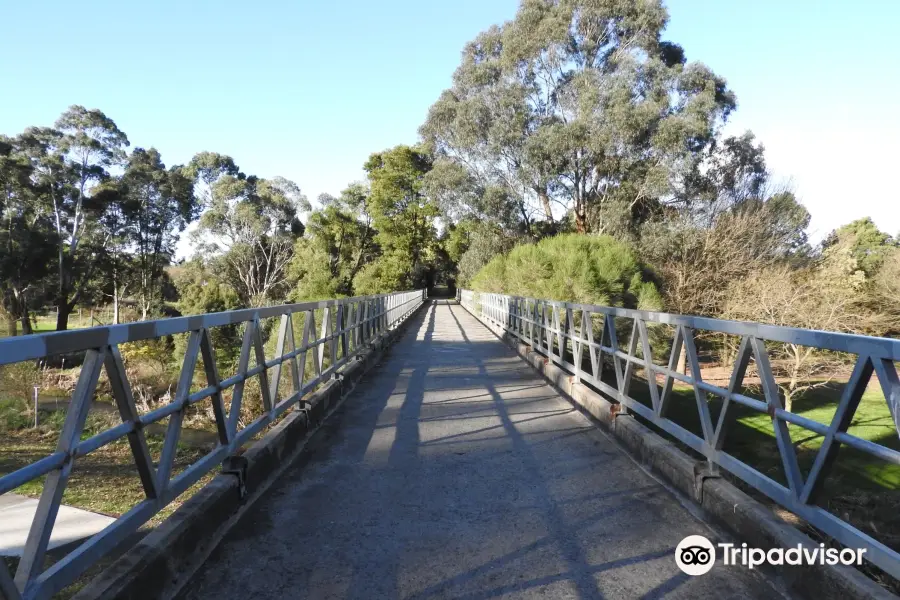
72 524
454 471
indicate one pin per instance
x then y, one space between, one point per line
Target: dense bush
572 267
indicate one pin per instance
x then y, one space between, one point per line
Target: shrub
574 268
14 414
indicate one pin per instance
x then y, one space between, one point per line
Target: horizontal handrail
348 328
565 333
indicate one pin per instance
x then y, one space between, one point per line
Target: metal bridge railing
348 327
565 333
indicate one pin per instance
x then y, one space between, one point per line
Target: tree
727 173
254 223
580 104
697 259
868 261
205 169
157 204
404 218
201 291
884 295
867 244
26 244
808 298
698 262
483 242
69 163
338 242
573 268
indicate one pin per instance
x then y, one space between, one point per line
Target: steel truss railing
562 329
348 328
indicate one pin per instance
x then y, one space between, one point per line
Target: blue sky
308 90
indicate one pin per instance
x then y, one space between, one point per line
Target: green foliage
73 161
201 291
17 382
14 414
156 352
27 241
862 241
484 242
338 242
250 226
388 273
403 216
156 204
575 268
310 268
578 104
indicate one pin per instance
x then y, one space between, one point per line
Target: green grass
47 323
104 481
43 325
751 436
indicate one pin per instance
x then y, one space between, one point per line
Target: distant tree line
86 222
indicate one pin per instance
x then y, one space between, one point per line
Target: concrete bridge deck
454 471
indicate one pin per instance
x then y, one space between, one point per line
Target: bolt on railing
348 328
565 333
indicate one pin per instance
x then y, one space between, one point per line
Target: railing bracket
237 466
702 472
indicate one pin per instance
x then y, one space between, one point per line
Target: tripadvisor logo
696 555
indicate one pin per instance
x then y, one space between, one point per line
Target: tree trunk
682 361
115 315
545 202
11 329
26 320
580 220
62 314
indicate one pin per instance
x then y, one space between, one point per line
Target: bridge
467 448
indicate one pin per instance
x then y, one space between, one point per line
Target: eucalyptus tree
206 168
26 241
730 171
864 242
250 226
404 217
69 163
157 204
578 105
337 243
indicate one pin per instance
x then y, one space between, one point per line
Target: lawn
46 323
751 435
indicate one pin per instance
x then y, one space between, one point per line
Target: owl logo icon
695 555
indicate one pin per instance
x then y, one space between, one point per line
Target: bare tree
699 259
807 298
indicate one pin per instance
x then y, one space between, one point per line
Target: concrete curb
750 520
161 563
